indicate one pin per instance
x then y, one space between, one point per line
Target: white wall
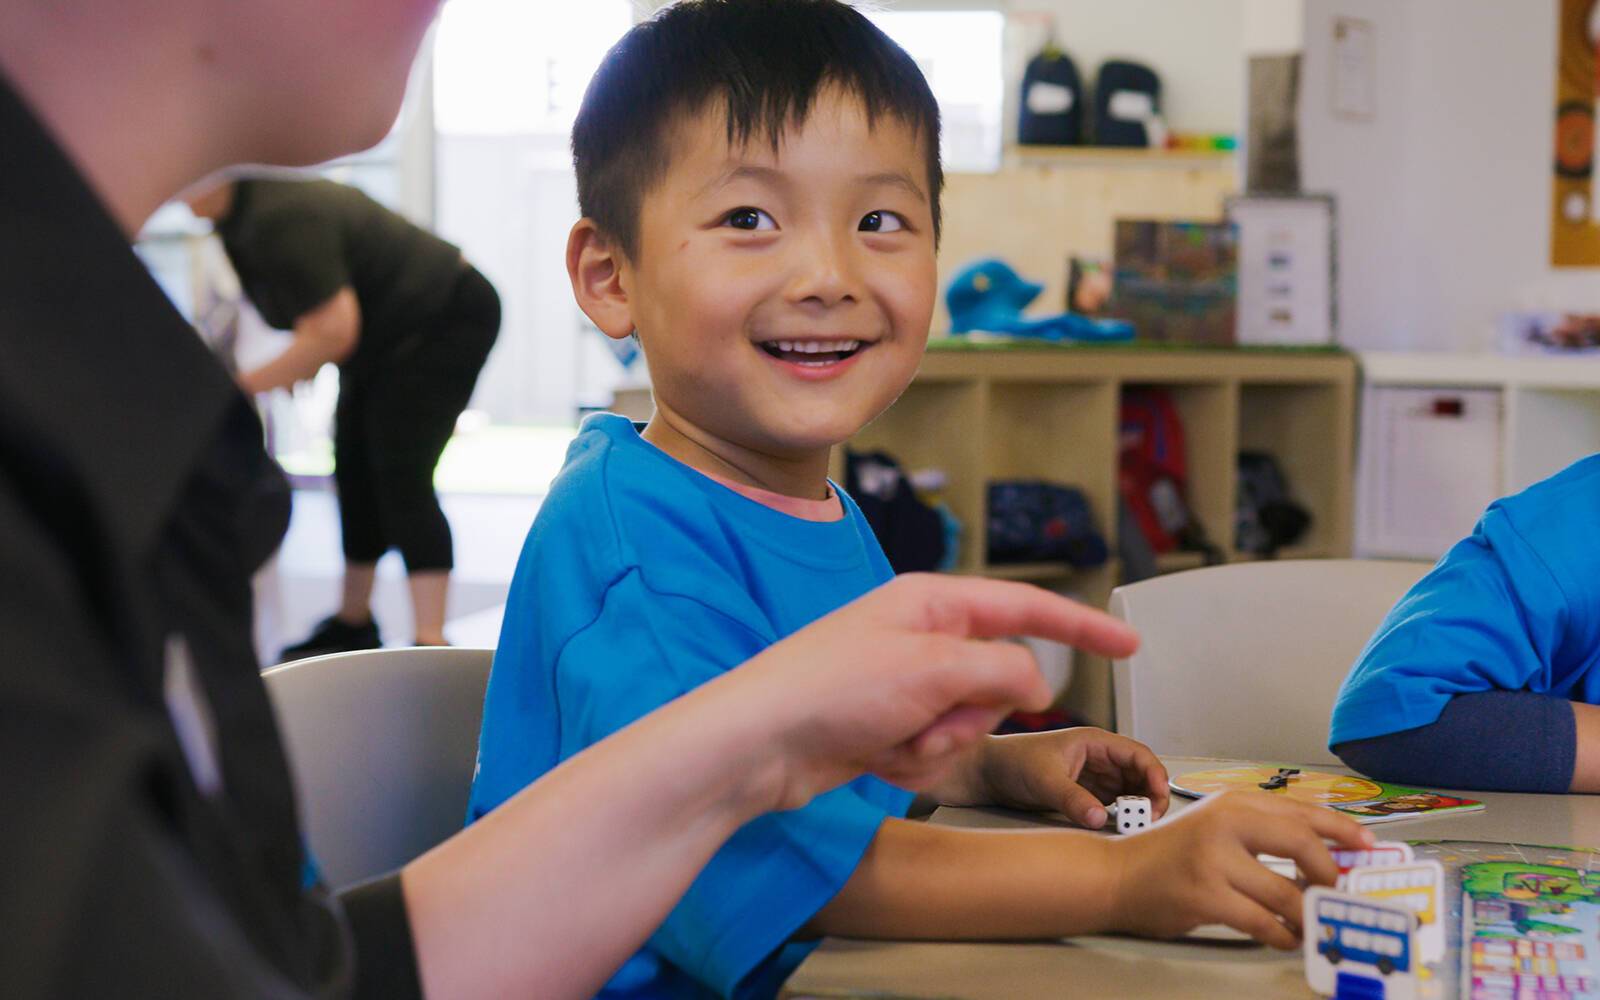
1443 194
1195 45
1273 27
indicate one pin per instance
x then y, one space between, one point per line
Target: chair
382 744
1244 660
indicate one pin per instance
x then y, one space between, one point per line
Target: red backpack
1152 473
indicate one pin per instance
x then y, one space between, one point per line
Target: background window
960 53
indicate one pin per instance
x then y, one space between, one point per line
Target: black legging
391 426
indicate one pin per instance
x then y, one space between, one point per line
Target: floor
301 585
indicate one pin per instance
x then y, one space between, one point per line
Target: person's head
149 96
315 79
759 181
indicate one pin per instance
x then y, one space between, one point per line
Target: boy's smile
782 296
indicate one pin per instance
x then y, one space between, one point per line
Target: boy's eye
752 219
881 222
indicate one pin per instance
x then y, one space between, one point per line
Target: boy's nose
824 273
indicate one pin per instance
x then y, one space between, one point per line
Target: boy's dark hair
767 59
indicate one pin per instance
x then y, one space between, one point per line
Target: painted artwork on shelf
1574 207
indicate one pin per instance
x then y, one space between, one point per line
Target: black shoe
333 636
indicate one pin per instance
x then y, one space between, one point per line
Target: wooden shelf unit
1053 412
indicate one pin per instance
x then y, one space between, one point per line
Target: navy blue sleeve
1492 741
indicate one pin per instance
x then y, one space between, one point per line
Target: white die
1132 813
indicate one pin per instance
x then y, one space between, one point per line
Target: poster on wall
1286 268
1574 199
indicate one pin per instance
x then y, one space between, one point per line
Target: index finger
1155 782
991 609
1143 771
1315 861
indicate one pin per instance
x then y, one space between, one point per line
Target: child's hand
903 682
1200 867
1072 771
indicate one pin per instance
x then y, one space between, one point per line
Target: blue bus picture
1369 935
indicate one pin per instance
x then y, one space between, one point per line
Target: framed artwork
1287 268
1574 205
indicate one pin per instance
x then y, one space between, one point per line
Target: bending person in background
410 325
151 846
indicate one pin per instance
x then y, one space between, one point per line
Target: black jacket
136 500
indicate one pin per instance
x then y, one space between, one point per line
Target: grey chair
382 745
1245 660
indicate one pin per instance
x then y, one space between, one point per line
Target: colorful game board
1360 798
1524 925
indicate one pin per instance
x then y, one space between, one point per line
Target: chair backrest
1245 660
382 745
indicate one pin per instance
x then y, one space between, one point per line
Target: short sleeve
729 932
1490 616
295 262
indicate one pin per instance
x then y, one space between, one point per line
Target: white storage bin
1431 461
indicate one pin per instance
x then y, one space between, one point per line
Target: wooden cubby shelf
1053 413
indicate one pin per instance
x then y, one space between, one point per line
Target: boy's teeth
813 347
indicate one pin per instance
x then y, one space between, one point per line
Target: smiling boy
759 181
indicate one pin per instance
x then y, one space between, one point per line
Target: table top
1135 968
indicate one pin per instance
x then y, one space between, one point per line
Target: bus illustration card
1419 887
1359 936
1362 799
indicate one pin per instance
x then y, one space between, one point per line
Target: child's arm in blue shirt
1533 737
731 930
1467 682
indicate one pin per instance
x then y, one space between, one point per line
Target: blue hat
988 295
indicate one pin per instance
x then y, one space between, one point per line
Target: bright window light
518 67
960 54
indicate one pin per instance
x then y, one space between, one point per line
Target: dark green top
295 243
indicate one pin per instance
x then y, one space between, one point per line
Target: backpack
911 532
1035 521
1052 101
1152 473
1267 518
1127 104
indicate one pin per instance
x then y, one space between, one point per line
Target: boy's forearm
1586 768
918 880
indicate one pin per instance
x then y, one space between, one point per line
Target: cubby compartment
1063 432
1053 413
1207 411
938 424
1307 428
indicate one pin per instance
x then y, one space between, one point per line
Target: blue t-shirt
641 579
1513 607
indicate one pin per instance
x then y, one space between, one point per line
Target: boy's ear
595 264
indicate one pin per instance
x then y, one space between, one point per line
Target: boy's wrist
1117 855
973 782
